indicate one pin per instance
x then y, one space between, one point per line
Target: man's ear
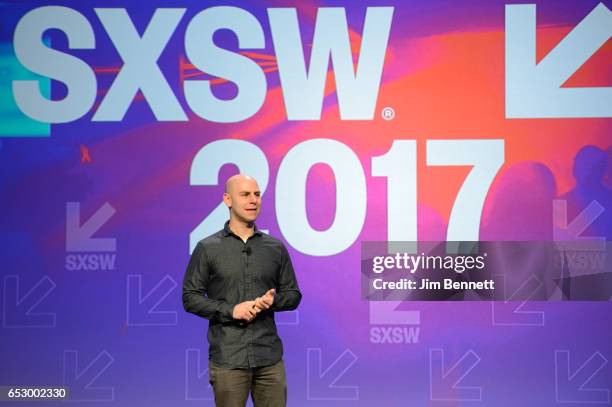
227 199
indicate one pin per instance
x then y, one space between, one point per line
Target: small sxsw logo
83 251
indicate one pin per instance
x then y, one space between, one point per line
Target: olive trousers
267 385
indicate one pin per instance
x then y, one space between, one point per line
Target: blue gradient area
14 122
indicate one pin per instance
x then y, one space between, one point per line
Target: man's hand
248 310
245 310
265 301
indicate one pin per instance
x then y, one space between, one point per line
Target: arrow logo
321 384
444 384
79 237
510 311
534 90
80 381
197 386
143 311
562 231
18 310
571 387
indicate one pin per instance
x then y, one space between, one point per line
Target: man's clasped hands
248 310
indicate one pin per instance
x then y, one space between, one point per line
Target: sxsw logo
302 84
85 252
388 324
532 90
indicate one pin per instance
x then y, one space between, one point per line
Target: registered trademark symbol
388 113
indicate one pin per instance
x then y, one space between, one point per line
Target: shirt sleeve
195 290
288 295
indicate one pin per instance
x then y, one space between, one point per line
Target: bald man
238 278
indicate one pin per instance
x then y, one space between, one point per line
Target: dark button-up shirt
224 271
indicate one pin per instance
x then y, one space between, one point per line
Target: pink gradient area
460 94
456 90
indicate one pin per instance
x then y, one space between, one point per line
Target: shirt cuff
226 312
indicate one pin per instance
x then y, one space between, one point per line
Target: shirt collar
227 231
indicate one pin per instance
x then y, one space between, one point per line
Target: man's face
244 199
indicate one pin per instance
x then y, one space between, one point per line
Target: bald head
235 180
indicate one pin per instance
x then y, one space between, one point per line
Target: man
238 278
